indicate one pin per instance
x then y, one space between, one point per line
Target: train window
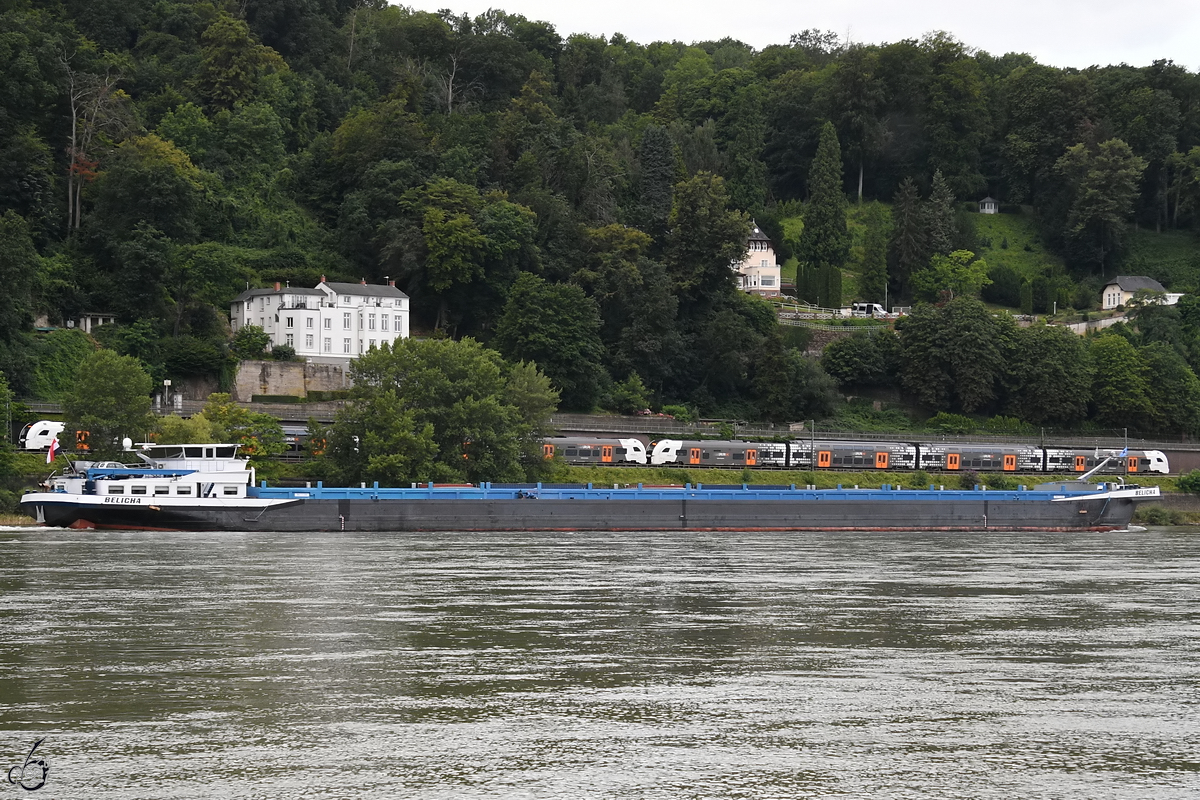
572 451
705 456
834 460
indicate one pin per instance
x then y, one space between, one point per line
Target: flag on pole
53 451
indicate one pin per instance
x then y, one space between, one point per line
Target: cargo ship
209 487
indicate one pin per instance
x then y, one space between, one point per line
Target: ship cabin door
1132 463
694 455
1010 463
606 453
952 460
881 461
824 458
751 458
547 451
1080 463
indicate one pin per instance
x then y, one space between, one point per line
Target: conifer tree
907 251
872 287
825 243
940 226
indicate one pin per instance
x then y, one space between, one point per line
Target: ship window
230 490
162 489
183 490
193 452
116 490
208 452
226 452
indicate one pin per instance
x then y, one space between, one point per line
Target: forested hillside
567 199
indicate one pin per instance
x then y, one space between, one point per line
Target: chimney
362 282
392 284
278 286
322 279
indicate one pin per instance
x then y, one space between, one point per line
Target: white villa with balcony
758 272
332 324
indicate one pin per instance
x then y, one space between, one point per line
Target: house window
383 322
262 303
345 345
370 322
768 280
328 323
346 300
346 320
290 340
289 322
308 340
398 328
371 346
308 322
328 345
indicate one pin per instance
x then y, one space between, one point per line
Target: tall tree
705 237
872 286
110 400
940 227
1103 181
825 242
557 327
907 250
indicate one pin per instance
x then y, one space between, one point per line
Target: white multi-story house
758 272
332 323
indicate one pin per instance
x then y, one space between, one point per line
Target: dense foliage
571 200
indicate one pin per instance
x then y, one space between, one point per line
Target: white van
867 310
38 435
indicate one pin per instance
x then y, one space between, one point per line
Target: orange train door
694 455
751 458
952 460
824 458
606 453
547 451
881 461
1080 463
1132 463
1010 463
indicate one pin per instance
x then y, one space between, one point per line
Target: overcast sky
1060 33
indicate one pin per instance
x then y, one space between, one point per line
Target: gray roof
366 289
249 293
757 235
1133 283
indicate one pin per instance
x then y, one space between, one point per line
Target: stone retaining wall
287 378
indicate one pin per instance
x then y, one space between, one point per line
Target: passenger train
852 456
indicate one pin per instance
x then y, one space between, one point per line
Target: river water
662 665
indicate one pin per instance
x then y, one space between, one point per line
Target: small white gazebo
988 205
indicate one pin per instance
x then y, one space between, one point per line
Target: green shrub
1189 483
945 422
681 413
1157 515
